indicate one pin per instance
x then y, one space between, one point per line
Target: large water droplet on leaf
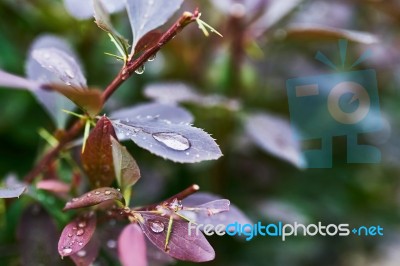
140 70
156 226
174 141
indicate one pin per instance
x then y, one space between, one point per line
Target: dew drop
81 253
69 235
152 58
82 224
89 195
174 141
75 199
80 232
97 193
66 250
80 243
111 243
140 70
107 192
156 226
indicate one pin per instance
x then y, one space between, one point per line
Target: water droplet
174 141
75 199
152 58
80 243
69 73
197 155
107 192
97 193
156 226
140 70
89 195
82 224
66 250
187 153
80 232
69 235
111 243
81 253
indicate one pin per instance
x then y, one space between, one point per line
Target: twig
126 71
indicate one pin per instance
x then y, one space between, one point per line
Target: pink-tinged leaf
147 41
132 246
97 159
37 238
126 169
77 234
321 33
234 214
88 254
89 101
95 197
157 257
55 186
181 246
13 81
276 136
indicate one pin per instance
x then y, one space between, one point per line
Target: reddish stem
126 71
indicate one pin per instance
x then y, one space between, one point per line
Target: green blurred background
254 71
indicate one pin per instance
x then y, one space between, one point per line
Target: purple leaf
173 114
13 188
97 158
234 214
94 197
127 171
146 15
77 234
13 81
37 238
88 254
172 93
52 185
275 136
132 246
52 101
157 257
181 246
84 9
62 65
177 142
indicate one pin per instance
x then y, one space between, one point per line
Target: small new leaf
126 169
103 21
95 197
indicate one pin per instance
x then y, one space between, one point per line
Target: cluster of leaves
55 78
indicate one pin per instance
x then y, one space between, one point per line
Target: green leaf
102 20
126 169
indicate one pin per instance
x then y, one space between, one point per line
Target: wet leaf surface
94 197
